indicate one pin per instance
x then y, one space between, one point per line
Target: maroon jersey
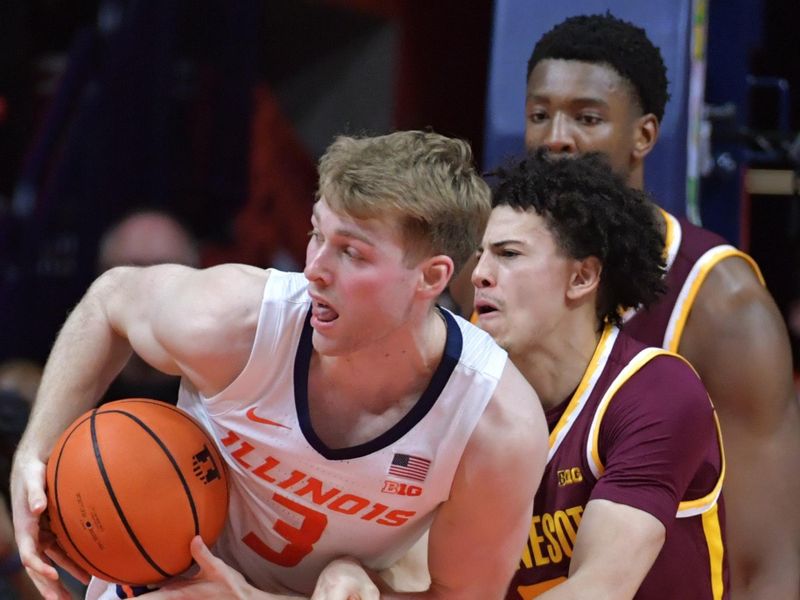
691 253
639 430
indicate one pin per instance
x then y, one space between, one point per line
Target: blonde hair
426 180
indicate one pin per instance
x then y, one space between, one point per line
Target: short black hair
605 39
591 211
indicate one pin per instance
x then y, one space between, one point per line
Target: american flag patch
410 467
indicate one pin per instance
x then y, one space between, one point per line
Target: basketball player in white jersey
353 413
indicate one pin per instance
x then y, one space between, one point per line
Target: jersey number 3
300 540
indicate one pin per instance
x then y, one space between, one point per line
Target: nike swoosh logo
251 414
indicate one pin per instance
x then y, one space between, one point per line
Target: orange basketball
129 485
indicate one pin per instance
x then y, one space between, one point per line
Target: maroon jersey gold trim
691 252
694 546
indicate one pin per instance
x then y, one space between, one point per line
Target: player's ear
585 278
435 275
645 135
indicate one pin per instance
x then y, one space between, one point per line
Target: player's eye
537 116
589 119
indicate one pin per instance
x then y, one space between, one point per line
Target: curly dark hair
623 46
592 212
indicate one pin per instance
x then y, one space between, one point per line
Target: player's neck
636 181
396 367
355 398
556 365
636 177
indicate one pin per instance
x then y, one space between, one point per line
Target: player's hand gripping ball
129 485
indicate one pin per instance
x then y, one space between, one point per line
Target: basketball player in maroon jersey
630 504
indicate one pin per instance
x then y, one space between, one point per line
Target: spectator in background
147 237
142 238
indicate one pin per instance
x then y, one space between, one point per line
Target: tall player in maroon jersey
630 504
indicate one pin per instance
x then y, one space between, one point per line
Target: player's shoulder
731 281
477 351
515 408
235 274
667 371
203 308
733 296
729 268
637 368
662 387
225 291
512 430
514 413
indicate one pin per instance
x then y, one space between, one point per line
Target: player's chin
490 322
495 329
327 345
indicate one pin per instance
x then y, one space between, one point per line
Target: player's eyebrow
580 101
345 231
501 243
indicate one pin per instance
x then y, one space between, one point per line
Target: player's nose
558 136
317 268
481 275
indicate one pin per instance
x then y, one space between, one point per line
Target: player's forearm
86 356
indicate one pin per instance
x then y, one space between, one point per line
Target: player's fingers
55 553
345 579
32 559
37 501
49 589
174 592
207 562
340 594
365 594
33 485
26 523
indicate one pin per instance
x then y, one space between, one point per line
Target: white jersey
296 504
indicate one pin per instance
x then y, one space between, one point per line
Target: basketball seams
187 490
56 498
181 413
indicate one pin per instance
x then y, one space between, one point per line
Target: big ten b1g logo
401 489
204 466
569 476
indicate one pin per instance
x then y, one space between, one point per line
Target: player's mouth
485 307
322 313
